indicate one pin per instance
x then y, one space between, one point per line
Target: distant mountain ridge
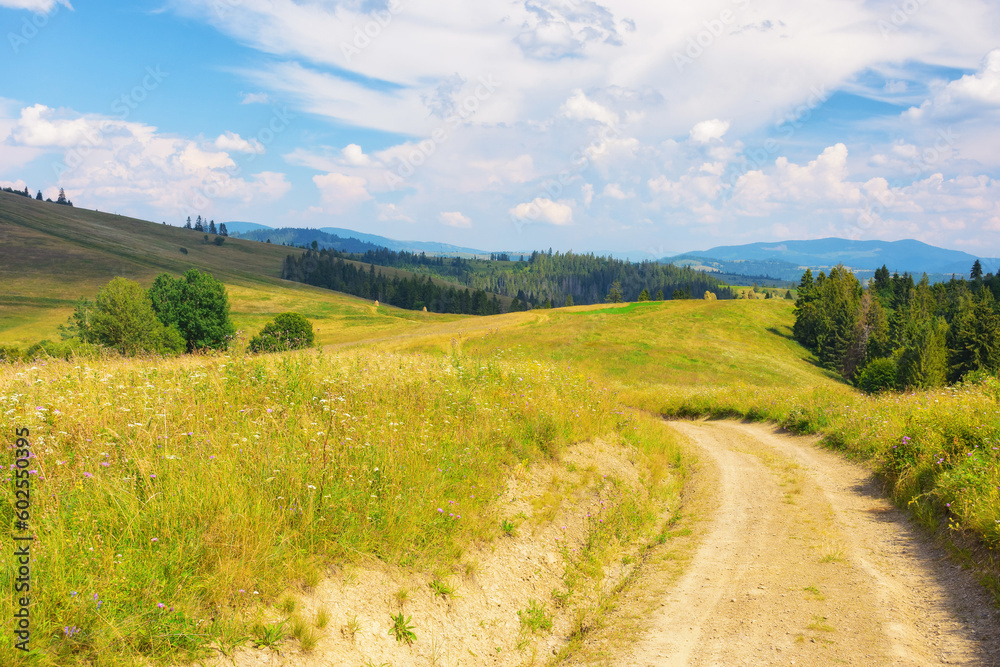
788 259
258 232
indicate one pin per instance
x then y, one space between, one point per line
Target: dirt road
804 562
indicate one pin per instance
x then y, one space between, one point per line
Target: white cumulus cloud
341 192
707 130
40 6
455 219
230 141
544 210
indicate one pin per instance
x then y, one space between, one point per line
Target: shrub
197 305
287 331
9 353
122 318
878 376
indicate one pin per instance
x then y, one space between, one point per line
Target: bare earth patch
805 562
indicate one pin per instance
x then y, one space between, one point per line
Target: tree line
554 279
61 199
207 226
328 269
898 334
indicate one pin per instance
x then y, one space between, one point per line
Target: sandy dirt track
804 562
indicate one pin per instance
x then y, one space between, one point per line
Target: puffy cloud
230 141
341 192
578 107
615 191
355 157
822 180
981 89
455 219
112 163
40 6
544 210
707 130
40 126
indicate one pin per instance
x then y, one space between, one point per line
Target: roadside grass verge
173 498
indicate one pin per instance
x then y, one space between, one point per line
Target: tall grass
170 496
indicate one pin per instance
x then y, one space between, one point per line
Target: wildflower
160 605
155 539
153 476
441 510
87 475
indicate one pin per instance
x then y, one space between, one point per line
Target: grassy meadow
938 451
173 499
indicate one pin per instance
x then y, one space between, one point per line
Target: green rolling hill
52 255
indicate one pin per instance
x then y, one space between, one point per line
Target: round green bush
877 376
287 331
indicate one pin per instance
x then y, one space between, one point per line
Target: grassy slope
52 255
938 451
691 342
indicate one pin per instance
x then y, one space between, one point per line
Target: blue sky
605 126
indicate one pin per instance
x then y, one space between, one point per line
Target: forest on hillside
897 334
328 269
537 280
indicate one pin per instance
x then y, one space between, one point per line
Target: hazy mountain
236 227
429 247
787 259
252 230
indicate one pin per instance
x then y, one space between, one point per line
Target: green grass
534 618
208 484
